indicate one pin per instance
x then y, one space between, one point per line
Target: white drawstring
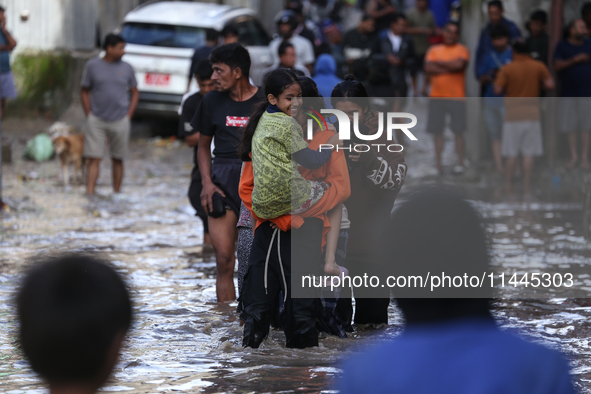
280 263
281 266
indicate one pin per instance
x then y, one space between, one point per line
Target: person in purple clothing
495 18
572 62
449 345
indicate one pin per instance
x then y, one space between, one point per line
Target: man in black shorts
222 114
191 100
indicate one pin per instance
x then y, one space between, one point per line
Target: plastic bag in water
40 148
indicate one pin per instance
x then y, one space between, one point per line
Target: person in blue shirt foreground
449 345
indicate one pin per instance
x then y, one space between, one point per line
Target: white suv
160 40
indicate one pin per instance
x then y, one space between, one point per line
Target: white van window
162 35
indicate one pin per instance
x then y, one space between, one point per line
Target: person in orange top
446 65
300 240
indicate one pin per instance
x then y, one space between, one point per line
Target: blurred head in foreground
436 230
74 311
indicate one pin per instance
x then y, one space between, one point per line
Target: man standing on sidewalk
7 44
220 117
109 98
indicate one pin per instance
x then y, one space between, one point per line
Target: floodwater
182 340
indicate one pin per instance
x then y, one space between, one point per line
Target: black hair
112 40
379 71
520 46
283 47
586 8
295 6
233 55
365 17
71 309
495 3
2 9
275 83
229 30
310 94
322 49
441 218
540 16
499 31
203 70
396 16
350 88
287 17
453 23
211 34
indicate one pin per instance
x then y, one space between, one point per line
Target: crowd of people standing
240 194
266 190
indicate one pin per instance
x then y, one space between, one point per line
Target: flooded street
182 340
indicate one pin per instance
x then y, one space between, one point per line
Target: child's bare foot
331 268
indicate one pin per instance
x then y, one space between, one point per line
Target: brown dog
69 149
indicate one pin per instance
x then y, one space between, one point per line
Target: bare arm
372 10
85 97
135 97
204 160
549 84
454 65
394 60
419 30
11 41
193 139
497 89
561 64
434 68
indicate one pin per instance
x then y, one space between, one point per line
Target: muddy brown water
182 340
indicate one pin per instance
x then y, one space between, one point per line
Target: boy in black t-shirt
189 105
538 40
222 114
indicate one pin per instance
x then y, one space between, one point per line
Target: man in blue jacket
495 17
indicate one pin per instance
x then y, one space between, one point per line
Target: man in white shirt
287 22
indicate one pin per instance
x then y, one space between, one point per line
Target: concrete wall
52 24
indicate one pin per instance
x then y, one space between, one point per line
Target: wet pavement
182 340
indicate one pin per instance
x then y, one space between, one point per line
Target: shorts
225 174
523 137
574 114
317 190
7 88
439 108
99 130
195 197
494 117
417 65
